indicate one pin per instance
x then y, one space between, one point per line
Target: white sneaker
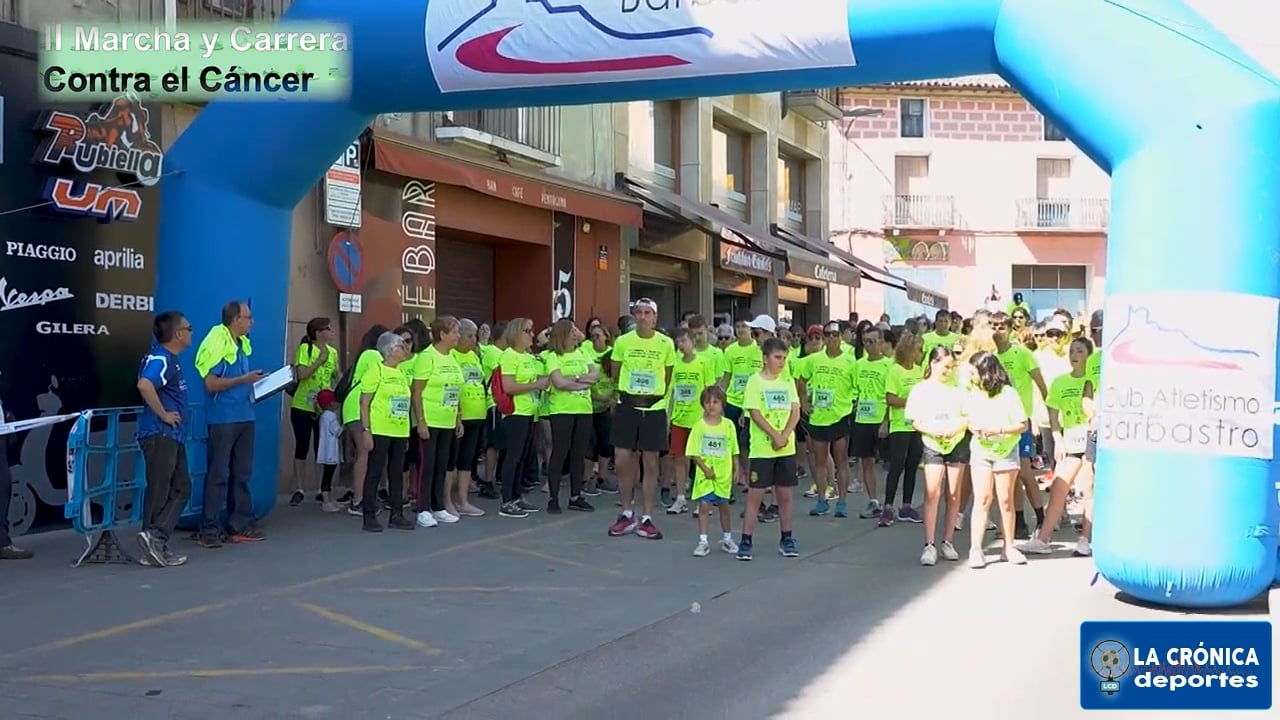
445 516
960 522
1036 546
1014 556
929 557
977 559
426 519
679 506
703 549
1083 548
992 526
948 551
729 546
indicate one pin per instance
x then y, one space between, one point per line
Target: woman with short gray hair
384 418
473 407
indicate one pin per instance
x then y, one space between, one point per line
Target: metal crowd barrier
106 479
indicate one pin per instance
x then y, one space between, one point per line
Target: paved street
545 617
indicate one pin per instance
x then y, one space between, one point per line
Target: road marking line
216 673
125 628
564 561
491 589
380 633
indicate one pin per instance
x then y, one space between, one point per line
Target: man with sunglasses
641 364
161 435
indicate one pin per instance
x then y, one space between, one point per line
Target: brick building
961 185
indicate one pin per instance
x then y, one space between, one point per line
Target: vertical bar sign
418 259
562 257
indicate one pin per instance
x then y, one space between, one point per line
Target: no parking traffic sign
346 262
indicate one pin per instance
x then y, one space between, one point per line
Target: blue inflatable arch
1187 125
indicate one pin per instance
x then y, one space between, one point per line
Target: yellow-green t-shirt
714 358
775 400
899 381
984 412
1019 363
717 446
490 356
389 408
932 340
442 387
687 382
1093 369
604 388
643 365
574 363
741 362
872 375
351 404
526 368
940 404
304 398
830 383
474 404
1066 395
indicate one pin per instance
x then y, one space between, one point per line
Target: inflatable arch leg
1188 126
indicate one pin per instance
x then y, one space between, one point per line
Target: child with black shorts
713 448
773 404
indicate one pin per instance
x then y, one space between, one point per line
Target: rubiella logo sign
117 137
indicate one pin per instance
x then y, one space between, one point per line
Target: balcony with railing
819 105
1063 214
528 135
935 212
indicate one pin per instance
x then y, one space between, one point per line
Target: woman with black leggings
437 392
522 380
473 408
384 421
315 366
905 446
572 373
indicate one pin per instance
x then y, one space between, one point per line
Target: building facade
735 220
962 186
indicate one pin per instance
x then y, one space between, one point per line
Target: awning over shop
407 157
915 293
801 262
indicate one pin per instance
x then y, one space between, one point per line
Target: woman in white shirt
936 409
997 420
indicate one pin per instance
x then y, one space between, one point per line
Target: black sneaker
590 490
527 506
398 521
371 524
346 497
553 507
209 539
152 547
13 552
580 504
319 497
666 497
296 498
769 515
248 535
489 492
512 510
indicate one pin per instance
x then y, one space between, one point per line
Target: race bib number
399 407
684 392
714 446
824 399
739 383
868 411
642 382
472 375
777 400
1075 440
451 395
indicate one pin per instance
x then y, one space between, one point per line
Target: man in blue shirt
223 363
161 434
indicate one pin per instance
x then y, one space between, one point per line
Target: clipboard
273 384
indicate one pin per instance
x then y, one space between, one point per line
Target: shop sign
418 259
116 137
93 200
733 257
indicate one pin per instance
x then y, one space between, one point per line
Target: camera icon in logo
1109 660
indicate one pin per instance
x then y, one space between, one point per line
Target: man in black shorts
641 363
772 403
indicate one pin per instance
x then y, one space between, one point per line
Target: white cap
763 322
1056 323
645 303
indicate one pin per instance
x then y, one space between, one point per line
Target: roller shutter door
464 283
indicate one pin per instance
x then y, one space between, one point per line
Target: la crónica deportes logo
1176 665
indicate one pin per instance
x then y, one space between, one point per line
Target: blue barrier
106 479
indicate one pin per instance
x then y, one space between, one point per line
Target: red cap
814 331
324 398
